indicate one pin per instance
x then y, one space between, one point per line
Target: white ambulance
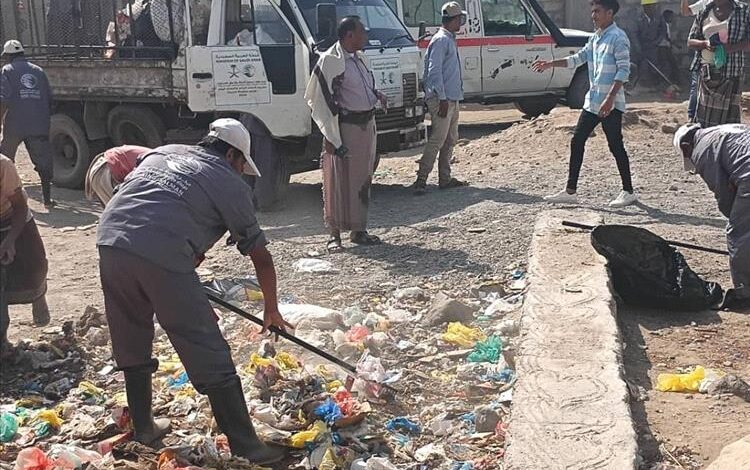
498 44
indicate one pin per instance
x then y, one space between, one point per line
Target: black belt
356 117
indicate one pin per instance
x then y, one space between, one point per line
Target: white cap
451 10
235 134
13 46
681 133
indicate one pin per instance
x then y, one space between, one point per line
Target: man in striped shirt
608 57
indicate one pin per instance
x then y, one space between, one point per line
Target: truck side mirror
326 17
422 29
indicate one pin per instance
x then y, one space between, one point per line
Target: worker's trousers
442 139
40 152
738 240
134 290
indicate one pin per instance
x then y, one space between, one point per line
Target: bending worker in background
170 210
109 169
721 156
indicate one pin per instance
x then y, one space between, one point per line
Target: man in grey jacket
721 156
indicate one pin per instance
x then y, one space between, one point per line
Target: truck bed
112 80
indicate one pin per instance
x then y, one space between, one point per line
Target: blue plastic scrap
404 424
329 412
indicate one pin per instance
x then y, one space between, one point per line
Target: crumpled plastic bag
90 392
287 361
329 411
48 418
462 335
487 351
403 424
689 382
370 368
357 334
299 439
8 427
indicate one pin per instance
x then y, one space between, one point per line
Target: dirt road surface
451 240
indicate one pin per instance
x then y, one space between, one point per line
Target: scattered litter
689 382
488 350
462 335
314 265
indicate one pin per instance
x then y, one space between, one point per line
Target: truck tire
135 125
578 88
534 107
71 154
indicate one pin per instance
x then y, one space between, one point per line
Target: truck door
253 63
513 40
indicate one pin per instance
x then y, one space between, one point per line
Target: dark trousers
693 101
612 126
40 152
667 62
134 290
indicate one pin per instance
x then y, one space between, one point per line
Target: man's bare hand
383 101
273 318
606 108
443 108
541 65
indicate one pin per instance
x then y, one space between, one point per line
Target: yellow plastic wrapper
298 440
89 389
31 401
286 361
258 361
334 385
329 461
50 417
463 336
681 382
170 366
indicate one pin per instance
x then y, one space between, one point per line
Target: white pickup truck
154 71
498 44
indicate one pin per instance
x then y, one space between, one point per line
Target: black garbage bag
648 272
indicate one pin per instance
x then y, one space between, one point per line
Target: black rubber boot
47 193
146 429
230 411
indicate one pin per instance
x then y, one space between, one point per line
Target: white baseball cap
451 10
681 133
13 46
235 134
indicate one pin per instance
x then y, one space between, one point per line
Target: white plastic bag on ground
314 265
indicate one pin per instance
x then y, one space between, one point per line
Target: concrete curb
570 404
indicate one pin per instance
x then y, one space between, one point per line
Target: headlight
418 110
409 112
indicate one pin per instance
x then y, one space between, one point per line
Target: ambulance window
393 5
416 11
507 18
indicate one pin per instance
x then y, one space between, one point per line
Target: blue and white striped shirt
608 56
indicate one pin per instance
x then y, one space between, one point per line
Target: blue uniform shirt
25 93
442 68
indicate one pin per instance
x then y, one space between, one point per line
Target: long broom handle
217 300
673 243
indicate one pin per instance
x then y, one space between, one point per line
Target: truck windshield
385 27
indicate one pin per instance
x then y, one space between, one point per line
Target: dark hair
347 25
215 144
667 14
608 5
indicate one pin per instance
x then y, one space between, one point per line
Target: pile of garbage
433 387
